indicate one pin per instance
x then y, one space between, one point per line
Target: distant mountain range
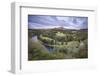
62 28
59 28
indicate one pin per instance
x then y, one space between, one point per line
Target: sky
49 22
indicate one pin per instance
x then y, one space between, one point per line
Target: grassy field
49 44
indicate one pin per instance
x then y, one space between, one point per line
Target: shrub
73 44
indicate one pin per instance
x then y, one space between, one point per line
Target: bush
73 44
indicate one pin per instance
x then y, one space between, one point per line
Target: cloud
70 22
